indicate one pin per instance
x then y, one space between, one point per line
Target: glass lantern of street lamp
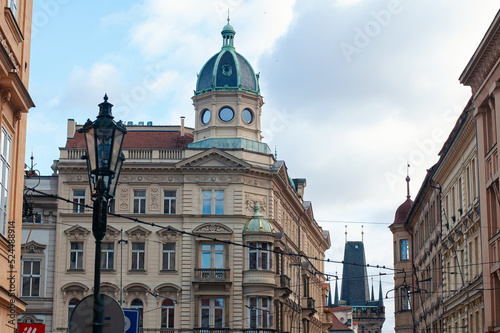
104 139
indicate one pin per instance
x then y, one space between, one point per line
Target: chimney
182 126
71 128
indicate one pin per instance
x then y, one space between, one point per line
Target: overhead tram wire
169 228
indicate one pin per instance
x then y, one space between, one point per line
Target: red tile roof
142 139
338 326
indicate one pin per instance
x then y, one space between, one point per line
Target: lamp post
103 138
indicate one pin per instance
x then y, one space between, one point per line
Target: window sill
108 270
168 271
137 271
76 270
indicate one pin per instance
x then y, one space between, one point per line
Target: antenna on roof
362 232
346 233
408 181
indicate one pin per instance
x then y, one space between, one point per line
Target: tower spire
408 181
380 297
362 233
346 233
336 298
373 295
228 34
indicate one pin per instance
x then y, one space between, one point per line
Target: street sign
131 320
82 316
31 328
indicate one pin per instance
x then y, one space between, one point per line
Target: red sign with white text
31 328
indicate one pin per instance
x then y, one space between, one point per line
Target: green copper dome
227 70
258 223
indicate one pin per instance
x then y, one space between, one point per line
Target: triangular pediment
77 230
213 158
33 247
212 228
309 211
138 230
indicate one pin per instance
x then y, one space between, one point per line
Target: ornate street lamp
103 138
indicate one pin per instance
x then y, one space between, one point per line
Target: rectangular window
403 244
212 256
259 312
259 256
139 202
76 255
13 7
168 256
108 256
460 198
211 312
78 201
405 299
31 278
138 256
213 202
5 147
111 205
169 202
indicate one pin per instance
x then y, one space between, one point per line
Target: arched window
71 306
167 314
137 304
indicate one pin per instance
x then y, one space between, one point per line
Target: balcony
259 330
309 306
211 275
283 289
210 330
150 155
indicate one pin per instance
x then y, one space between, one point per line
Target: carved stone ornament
124 199
34 247
138 233
77 233
252 199
212 229
155 199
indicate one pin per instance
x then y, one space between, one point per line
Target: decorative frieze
251 199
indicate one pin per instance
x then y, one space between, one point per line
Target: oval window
247 116
205 117
226 114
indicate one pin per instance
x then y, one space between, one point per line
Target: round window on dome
226 114
205 116
247 116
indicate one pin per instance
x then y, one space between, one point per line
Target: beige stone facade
200 267
15 36
482 74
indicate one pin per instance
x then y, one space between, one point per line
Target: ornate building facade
38 244
233 240
482 74
15 35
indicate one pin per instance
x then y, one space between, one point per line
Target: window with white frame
169 202
167 314
259 256
259 312
139 201
5 148
213 202
78 201
211 312
76 255
138 256
31 278
168 256
212 256
108 256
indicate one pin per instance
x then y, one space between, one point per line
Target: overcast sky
353 89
